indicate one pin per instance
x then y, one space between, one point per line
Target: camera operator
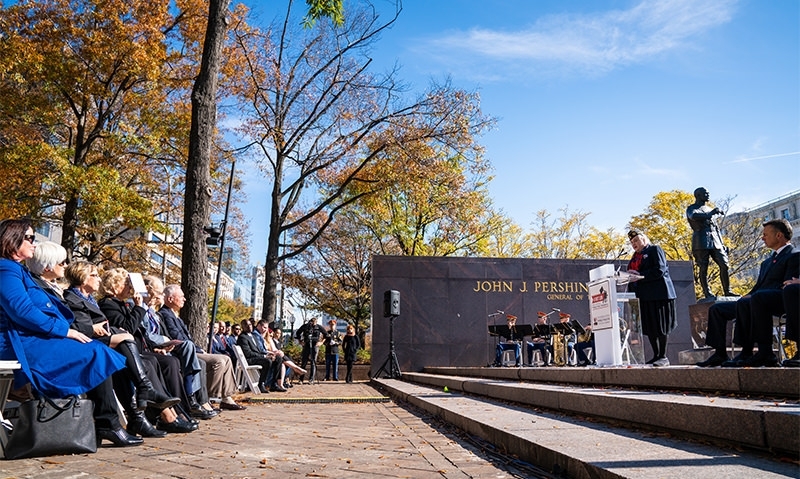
311 335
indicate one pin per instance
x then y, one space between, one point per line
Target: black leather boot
138 424
118 437
146 396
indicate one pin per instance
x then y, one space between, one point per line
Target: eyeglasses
30 238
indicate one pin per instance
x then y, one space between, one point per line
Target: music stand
577 327
525 330
492 317
543 330
500 330
563 328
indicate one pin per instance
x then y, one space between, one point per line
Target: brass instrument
789 347
559 344
585 336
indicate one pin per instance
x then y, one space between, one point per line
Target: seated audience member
272 340
84 281
219 368
116 289
791 304
256 354
55 359
196 401
47 266
539 343
236 330
277 376
221 342
773 272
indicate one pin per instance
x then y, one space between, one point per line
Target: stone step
576 446
763 382
769 425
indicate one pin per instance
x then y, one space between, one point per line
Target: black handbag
47 427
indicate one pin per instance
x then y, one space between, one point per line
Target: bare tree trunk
68 224
197 204
270 296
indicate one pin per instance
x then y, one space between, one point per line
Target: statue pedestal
698 317
698 320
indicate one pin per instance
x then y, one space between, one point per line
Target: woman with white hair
655 292
47 266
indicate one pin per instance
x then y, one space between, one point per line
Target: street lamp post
166 235
220 251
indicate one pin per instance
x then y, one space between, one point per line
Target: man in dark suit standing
748 329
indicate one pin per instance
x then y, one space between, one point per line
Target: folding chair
246 374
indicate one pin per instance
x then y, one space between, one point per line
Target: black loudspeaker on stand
391 310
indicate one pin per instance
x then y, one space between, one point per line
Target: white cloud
643 169
765 157
590 43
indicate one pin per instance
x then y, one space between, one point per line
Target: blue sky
603 104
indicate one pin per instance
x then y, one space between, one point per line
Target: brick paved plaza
343 438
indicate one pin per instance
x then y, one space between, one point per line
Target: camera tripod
394 367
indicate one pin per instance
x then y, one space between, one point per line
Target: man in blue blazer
747 332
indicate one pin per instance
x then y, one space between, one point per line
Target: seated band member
582 346
539 343
773 272
513 342
569 339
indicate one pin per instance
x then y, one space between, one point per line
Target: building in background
257 291
786 207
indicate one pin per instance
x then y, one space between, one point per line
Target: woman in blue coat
656 294
35 330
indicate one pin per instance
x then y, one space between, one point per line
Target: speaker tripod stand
393 371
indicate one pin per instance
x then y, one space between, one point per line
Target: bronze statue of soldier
707 242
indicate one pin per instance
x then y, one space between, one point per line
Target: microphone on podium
557 310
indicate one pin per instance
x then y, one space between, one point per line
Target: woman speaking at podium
655 292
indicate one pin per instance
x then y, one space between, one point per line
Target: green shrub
294 350
364 356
